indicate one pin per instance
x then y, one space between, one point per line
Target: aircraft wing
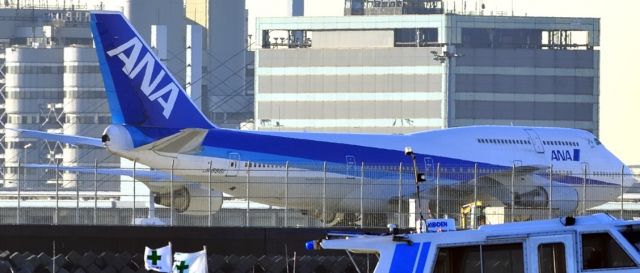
70 139
495 184
521 170
184 142
149 177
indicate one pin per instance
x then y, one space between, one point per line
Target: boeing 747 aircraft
155 123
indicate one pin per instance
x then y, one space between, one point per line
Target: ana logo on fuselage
133 66
565 155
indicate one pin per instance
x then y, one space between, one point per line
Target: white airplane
156 124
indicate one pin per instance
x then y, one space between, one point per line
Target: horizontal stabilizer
184 142
70 139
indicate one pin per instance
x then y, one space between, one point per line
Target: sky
619 62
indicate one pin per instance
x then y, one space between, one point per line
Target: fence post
286 193
57 193
324 194
95 191
247 193
550 191
210 209
513 191
77 200
133 211
19 193
173 162
475 195
622 193
438 190
584 190
400 194
362 195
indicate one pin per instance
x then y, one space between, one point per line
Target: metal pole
95 191
209 179
416 180
57 193
53 258
475 195
400 194
550 191
438 190
77 200
584 191
324 194
247 192
133 208
622 193
513 191
173 162
19 197
362 195
286 193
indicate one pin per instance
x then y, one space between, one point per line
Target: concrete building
413 72
227 99
51 81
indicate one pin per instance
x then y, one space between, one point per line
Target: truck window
551 258
504 258
600 250
632 234
464 259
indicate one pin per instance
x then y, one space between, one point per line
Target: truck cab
596 243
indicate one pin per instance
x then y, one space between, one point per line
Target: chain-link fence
311 195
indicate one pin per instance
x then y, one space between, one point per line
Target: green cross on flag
154 257
195 262
158 259
182 266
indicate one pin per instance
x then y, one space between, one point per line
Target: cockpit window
597 141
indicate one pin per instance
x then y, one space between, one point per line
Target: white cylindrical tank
33 86
86 114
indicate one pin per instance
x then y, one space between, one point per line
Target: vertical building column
194 64
159 41
34 86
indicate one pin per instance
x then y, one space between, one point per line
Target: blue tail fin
140 89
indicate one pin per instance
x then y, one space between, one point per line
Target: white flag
190 262
158 259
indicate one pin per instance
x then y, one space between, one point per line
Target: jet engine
192 199
562 199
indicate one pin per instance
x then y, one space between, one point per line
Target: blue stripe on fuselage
256 147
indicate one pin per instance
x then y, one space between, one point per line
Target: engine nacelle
563 199
192 199
117 137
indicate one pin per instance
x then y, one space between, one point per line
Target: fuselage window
600 250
